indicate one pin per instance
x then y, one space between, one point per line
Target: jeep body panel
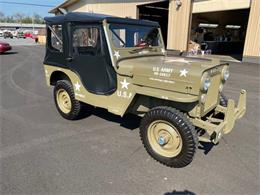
168 73
140 77
116 103
119 101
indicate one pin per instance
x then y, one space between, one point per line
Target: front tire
169 137
68 107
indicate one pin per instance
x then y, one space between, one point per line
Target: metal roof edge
63 5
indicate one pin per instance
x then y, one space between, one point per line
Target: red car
30 35
27 35
4 47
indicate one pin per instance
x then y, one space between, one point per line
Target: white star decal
163 51
117 55
77 86
124 84
183 73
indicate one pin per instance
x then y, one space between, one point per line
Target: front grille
212 94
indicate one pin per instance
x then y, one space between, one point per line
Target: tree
37 19
2 17
18 17
21 18
27 20
10 19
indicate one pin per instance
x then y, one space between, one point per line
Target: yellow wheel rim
63 100
164 138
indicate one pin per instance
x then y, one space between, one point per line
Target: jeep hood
169 73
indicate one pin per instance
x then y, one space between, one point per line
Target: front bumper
215 127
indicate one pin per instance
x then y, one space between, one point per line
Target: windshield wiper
142 48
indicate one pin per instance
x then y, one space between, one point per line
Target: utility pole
33 23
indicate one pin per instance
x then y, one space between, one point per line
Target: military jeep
120 64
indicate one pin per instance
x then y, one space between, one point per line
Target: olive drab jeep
120 64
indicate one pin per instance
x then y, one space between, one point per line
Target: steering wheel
141 44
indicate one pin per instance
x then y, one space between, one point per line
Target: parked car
8 34
20 35
120 64
28 35
4 47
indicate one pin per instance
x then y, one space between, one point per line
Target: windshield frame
125 53
110 34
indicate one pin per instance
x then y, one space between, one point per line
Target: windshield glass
131 36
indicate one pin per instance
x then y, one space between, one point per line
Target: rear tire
168 136
68 107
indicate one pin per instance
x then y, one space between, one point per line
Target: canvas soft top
92 17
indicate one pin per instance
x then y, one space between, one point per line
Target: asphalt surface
102 154
18 42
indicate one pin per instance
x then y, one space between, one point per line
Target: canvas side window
56 37
86 41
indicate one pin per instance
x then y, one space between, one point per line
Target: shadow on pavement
185 192
9 53
206 147
129 121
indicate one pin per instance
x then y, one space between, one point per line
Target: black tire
76 106
223 100
183 126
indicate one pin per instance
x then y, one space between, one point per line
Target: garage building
224 27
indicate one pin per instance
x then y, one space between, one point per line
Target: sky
9 9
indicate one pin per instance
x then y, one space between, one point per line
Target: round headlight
205 82
225 73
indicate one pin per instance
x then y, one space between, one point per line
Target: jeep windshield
135 37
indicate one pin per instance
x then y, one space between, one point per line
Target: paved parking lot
102 154
16 42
